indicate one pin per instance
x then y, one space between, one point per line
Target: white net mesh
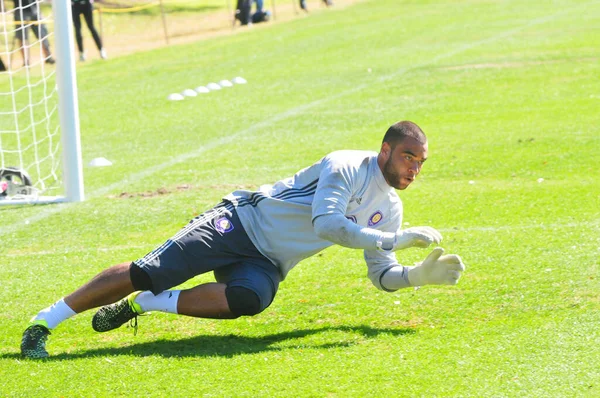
29 119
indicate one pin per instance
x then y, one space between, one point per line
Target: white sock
54 314
164 302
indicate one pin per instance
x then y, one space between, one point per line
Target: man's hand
416 237
436 269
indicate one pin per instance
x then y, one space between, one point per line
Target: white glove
436 269
416 237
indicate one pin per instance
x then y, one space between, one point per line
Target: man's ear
386 150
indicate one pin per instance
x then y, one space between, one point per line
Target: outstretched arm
338 229
434 270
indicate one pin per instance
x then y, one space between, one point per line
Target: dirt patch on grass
179 188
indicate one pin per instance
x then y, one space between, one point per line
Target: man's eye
408 157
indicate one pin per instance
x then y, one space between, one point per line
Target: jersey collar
378 175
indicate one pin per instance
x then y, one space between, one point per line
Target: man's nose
415 167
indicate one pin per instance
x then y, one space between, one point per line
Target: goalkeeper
251 240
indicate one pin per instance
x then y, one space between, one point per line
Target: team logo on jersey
375 218
352 218
223 225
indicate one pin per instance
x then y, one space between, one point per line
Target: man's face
401 165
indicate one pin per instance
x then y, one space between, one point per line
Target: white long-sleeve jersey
280 219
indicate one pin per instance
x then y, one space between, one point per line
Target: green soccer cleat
33 344
114 315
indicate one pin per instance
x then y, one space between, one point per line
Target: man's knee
242 301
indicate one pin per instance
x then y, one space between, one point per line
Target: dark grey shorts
29 18
213 241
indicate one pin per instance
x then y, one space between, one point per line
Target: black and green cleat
33 343
114 315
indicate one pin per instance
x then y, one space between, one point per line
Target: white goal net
34 87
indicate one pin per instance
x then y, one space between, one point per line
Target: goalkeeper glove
436 269
415 237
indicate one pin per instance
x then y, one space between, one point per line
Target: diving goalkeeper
251 240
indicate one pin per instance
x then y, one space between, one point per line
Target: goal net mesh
29 117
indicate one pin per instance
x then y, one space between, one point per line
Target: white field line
77 250
85 250
47 212
499 228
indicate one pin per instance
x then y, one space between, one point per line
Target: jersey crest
223 225
375 218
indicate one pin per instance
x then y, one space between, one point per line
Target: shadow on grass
229 345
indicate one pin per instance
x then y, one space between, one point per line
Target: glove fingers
423 241
433 256
418 237
453 262
454 275
437 237
431 233
457 267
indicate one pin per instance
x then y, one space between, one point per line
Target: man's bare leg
107 287
111 285
205 301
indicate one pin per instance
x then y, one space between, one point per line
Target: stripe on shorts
220 209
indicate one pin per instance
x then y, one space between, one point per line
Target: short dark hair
401 130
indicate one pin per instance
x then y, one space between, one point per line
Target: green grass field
508 94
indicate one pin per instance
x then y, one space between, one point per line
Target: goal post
40 147
68 103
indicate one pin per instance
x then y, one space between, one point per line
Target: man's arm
339 179
338 229
434 270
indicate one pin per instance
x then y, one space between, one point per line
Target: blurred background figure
26 15
328 3
85 8
244 15
260 15
242 11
